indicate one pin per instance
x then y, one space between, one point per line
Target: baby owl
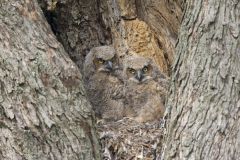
145 89
102 83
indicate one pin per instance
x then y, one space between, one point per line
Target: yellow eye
131 70
145 69
101 61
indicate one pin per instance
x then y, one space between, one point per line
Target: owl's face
139 69
105 60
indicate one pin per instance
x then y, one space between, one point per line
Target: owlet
145 89
103 86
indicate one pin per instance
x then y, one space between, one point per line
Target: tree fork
44 113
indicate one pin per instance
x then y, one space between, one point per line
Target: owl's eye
101 61
145 69
133 71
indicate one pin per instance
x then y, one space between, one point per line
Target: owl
145 89
103 84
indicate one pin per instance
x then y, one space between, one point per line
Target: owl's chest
105 85
142 93
137 94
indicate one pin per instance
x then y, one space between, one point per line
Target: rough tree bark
204 98
43 110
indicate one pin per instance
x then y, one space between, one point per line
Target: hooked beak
139 76
109 65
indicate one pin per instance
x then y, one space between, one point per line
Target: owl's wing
162 84
114 110
117 93
116 86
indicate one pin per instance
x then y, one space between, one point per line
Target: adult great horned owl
103 86
145 89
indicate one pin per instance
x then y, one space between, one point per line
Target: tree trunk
44 113
204 99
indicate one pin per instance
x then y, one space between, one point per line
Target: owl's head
104 59
139 69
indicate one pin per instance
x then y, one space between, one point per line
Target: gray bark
44 113
204 99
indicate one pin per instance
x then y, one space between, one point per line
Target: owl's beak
139 76
109 65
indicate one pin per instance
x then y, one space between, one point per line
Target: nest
127 139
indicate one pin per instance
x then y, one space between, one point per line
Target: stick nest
127 139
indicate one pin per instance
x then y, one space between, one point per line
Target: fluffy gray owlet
103 87
145 89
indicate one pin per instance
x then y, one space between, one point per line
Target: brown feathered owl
103 86
145 89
